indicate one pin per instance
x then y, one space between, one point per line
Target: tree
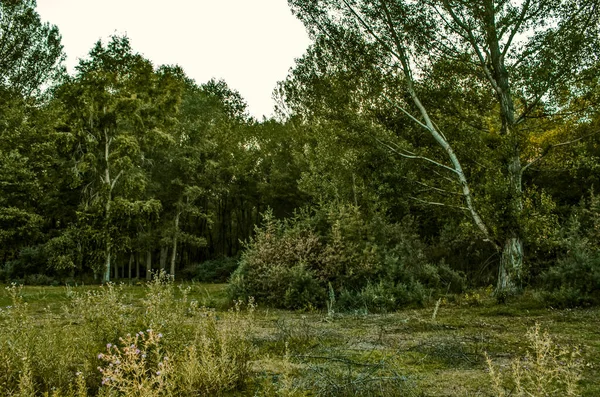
523 53
30 51
118 111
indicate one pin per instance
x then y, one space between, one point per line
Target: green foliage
366 262
278 259
212 271
574 280
30 51
109 344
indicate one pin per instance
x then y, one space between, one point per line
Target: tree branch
438 204
112 185
394 104
370 30
437 189
518 25
549 149
410 155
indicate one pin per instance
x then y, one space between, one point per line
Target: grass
52 340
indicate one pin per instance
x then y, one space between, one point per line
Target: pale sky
250 44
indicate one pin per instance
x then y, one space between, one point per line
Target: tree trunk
511 262
115 268
137 266
163 257
131 258
148 265
511 265
106 275
174 253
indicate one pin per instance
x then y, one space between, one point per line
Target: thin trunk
163 257
115 268
174 253
148 265
354 190
106 276
137 266
131 259
107 182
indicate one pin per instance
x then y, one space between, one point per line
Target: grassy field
64 341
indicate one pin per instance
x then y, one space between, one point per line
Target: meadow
190 339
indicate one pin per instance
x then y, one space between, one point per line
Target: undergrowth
159 340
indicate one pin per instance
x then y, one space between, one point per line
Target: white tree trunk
149 265
174 253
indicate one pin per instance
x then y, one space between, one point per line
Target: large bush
336 250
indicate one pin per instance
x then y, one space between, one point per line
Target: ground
434 350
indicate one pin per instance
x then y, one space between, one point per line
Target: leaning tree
525 53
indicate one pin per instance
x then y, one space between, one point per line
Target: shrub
137 366
40 279
213 271
366 261
277 261
575 278
193 352
303 291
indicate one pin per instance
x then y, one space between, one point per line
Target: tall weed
547 369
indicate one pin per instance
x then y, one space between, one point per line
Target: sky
251 44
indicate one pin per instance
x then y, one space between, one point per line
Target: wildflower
160 335
158 373
108 345
100 356
78 373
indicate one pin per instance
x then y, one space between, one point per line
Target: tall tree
523 52
118 113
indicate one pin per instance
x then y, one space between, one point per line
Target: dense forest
418 147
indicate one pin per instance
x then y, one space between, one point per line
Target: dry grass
51 338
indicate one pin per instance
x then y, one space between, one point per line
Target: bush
575 278
40 279
213 271
366 261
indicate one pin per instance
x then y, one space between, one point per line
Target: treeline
125 167
417 148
